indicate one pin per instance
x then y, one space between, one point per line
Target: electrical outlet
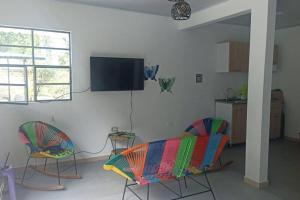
199 78
52 119
170 124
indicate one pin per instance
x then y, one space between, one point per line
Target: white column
259 95
260 75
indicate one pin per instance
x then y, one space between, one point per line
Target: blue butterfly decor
150 72
166 84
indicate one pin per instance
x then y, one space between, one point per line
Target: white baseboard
255 184
291 139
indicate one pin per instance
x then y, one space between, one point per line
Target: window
35 65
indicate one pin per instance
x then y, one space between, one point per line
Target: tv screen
117 74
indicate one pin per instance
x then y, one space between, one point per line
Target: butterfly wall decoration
150 72
166 84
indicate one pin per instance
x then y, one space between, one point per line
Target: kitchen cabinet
239 123
275 120
236 116
233 56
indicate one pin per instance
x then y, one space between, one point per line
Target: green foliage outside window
46 60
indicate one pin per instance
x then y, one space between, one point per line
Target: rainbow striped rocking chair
194 153
47 142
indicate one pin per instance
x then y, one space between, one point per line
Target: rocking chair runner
47 142
194 153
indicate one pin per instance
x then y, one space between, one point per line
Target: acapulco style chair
47 142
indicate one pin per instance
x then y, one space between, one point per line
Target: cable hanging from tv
59 97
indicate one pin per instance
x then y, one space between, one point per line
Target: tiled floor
228 184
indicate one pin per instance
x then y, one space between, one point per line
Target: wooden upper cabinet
238 57
233 56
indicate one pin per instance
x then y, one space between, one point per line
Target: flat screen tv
117 74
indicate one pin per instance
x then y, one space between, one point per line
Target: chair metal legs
220 162
148 190
24 173
75 164
58 174
209 185
125 189
180 190
44 170
179 195
46 159
185 184
133 192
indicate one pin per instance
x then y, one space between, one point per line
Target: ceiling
288 15
157 7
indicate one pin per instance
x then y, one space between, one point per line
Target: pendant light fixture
181 10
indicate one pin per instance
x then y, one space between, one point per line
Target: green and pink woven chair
194 153
47 142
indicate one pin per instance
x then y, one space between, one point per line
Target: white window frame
35 66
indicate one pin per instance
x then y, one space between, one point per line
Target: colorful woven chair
47 142
209 126
194 153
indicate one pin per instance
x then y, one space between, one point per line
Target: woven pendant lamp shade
181 10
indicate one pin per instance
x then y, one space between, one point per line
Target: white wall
287 77
100 31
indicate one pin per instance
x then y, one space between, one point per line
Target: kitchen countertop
239 101
236 101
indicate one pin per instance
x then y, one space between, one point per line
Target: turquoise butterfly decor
150 72
166 84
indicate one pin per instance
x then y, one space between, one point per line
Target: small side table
121 137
